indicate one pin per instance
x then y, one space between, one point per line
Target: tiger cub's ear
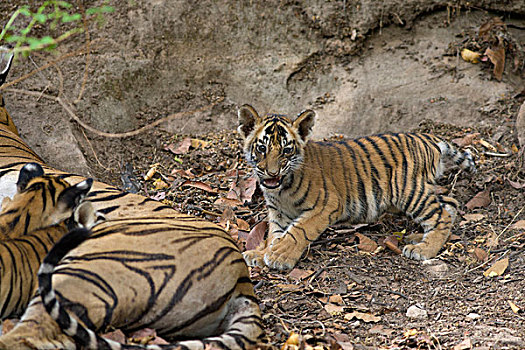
248 118
5 71
304 123
27 173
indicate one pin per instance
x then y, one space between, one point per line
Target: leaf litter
348 291
352 287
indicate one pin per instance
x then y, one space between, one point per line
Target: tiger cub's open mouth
272 182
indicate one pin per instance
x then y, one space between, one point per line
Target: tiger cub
309 186
30 223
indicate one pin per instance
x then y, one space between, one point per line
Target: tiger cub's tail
243 326
462 159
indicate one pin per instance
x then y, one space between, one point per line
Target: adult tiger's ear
304 123
5 70
86 215
28 173
248 118
70 198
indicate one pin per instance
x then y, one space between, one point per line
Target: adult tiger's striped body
31 223
311 185
174 257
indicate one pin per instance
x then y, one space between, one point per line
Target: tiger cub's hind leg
436 214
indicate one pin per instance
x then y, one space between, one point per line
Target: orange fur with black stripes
31 223
146 266
309 186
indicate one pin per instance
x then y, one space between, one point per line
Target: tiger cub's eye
261 148
287 150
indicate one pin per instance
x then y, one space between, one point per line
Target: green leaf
47 40
70 18
25 11
14 38
64 4
40 17
102 9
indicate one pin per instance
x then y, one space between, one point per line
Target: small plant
51 13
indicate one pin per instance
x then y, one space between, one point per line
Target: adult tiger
189 271
311 185
177 303
41 212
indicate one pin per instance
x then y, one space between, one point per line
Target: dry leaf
200 185
187 174
292 342
196 143
470 56
497 57
498 268
365 317
365 244
513 306
473 217
520 126
391 242
151 172
518 225
488 145
182 148
160 184
336 299
333 309
466 140
116 335
516 185
243 225
480 200
243 189
465 344
143 336
256 235
159 196
227 218
288 287
480 254
379 329
227 202
299 274
493 23
492 240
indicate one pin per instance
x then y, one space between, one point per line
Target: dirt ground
397 68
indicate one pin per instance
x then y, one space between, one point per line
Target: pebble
416 311
473 316
435 268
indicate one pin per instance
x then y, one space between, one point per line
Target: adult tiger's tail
243 324
463 159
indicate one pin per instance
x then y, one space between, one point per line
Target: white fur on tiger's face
309 186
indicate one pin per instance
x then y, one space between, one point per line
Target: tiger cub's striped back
37 216
311 185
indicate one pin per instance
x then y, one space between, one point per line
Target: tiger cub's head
42 201
273 143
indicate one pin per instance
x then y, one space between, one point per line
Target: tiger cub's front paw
420 251
254 257
283 253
